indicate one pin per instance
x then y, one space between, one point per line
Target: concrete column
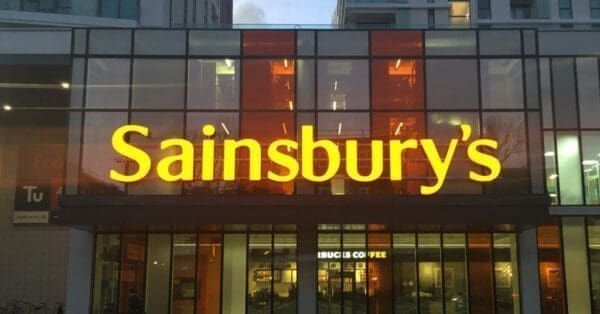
576 265
529 271
79 271
307 269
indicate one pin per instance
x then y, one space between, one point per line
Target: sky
283 11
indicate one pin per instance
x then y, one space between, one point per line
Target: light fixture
291 104
553 176
549 154
340 128
334 105
397 131
65 85
589 162
335 83
7 107
398 62
225 128
228 63
552 195
588 170
284 127
285 63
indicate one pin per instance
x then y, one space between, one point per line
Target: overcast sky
283 11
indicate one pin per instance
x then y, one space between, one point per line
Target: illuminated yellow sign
352 254
479 151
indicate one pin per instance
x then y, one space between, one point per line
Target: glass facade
124 9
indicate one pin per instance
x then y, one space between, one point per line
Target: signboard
38 184
297 158
358 254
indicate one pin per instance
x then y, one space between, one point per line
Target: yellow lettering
307 153
208 153
352 161
439 166
396 149
286 161
139 156
230 160
483 159
186 160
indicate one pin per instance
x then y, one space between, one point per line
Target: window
590 141
234 273
506 273
208 284
405 273
551 168
501 84
484 10
107 83
183 289
214 42
450 43
380 274
110 41
133 265
268 84
460 12
213 84
269 43
159 42
564 9
595 9
455 273
306 84
564 92
569 168
343 84
397 84
396 43
346 43
551 271
158 84
593 234
481 282
429 271
444 92
106 277
158 265
589 92
530 9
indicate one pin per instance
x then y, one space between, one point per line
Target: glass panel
445 93
354 284
107 83
183 290
158 267
551 274
396 43
551 171
506 272
227 127
133 268
563 87
98 156
162 125
531 83
576 264
593 233
430 273
214 43
285 272
159 42
343 84
268 84
110 41
536 160
306 84
72 164
260 274
106 277
208 286
590 141
329 276
213 84
234 274
508 128
481 283
447 43
569 168
305 43
546 92
500 42
405 273
397 84
589 92
158 83
455 273
380 273
269 43
501 84
345 43
77 85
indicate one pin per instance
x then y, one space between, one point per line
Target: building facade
465 13
389 232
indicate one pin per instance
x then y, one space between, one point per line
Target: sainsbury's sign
481 152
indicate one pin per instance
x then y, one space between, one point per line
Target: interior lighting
398 62
397 131
553 176
549 154
65 85
228 63
340 128
291 104
589 162
225 128
285 63
7 107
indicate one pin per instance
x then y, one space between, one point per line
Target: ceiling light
65 85
7 107
553 176
228 63
340 128
549 154
398 63
225 128
589 162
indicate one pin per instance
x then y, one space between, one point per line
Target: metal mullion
588 259
493 255
562 266
417 279
467 259
119 275
554 130
392 272
185 99
172 260
93 279
526 107
342 264
247 299
145 262
479 98
222 232
196 269
367 259
442 269
83 115
579 139
295 97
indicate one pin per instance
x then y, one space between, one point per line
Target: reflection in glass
455 273
343 84
329 275
260 273
590 140
208 284
213 84
481 283
430 273
501 83
508 128
546 93
158 265
588 91
443 92
506 273
106 277
268 84
183 290
380 273
158 84
107 83
98 156
227 127
354 274
133 263
285 287
551 273
404 270
397 83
